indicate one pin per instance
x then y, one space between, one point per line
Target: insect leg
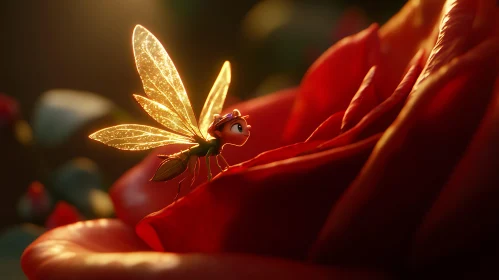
179 186
207 157
208 167
226 163
216 159
195 171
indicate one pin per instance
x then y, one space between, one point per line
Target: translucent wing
164 116
137 137
160 78
215 100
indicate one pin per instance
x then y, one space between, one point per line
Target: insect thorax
202 148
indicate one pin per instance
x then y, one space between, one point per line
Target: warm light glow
55 249
101 203
167 261
266 17
103 222
23 132
168 103
75 227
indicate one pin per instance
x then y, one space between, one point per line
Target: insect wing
137 137
160 78
215 100
164 116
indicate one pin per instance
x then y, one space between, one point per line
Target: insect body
231 127
168 104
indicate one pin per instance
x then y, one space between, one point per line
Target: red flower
63 214
386 164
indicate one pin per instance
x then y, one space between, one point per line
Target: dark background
86 45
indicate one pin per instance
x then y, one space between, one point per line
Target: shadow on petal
374 219
332 81
274 209
462 224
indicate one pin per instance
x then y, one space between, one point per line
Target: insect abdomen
172 166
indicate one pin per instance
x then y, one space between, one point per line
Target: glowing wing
136 137
164 116
215 100
161 80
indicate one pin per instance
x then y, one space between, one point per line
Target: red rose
382 163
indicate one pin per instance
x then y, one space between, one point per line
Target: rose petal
486 22
378 119
328 129
106 249
331 82
134 196
417 23
465 24
454 36
351 21
373 220
274 209
463 221
278 154
362 102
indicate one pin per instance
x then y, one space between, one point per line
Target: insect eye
237 128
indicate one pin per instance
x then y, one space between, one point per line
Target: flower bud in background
9 110
35 204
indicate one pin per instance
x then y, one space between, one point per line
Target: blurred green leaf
11 269
13 241
35 204
60 112
82 171
283 37
79 183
